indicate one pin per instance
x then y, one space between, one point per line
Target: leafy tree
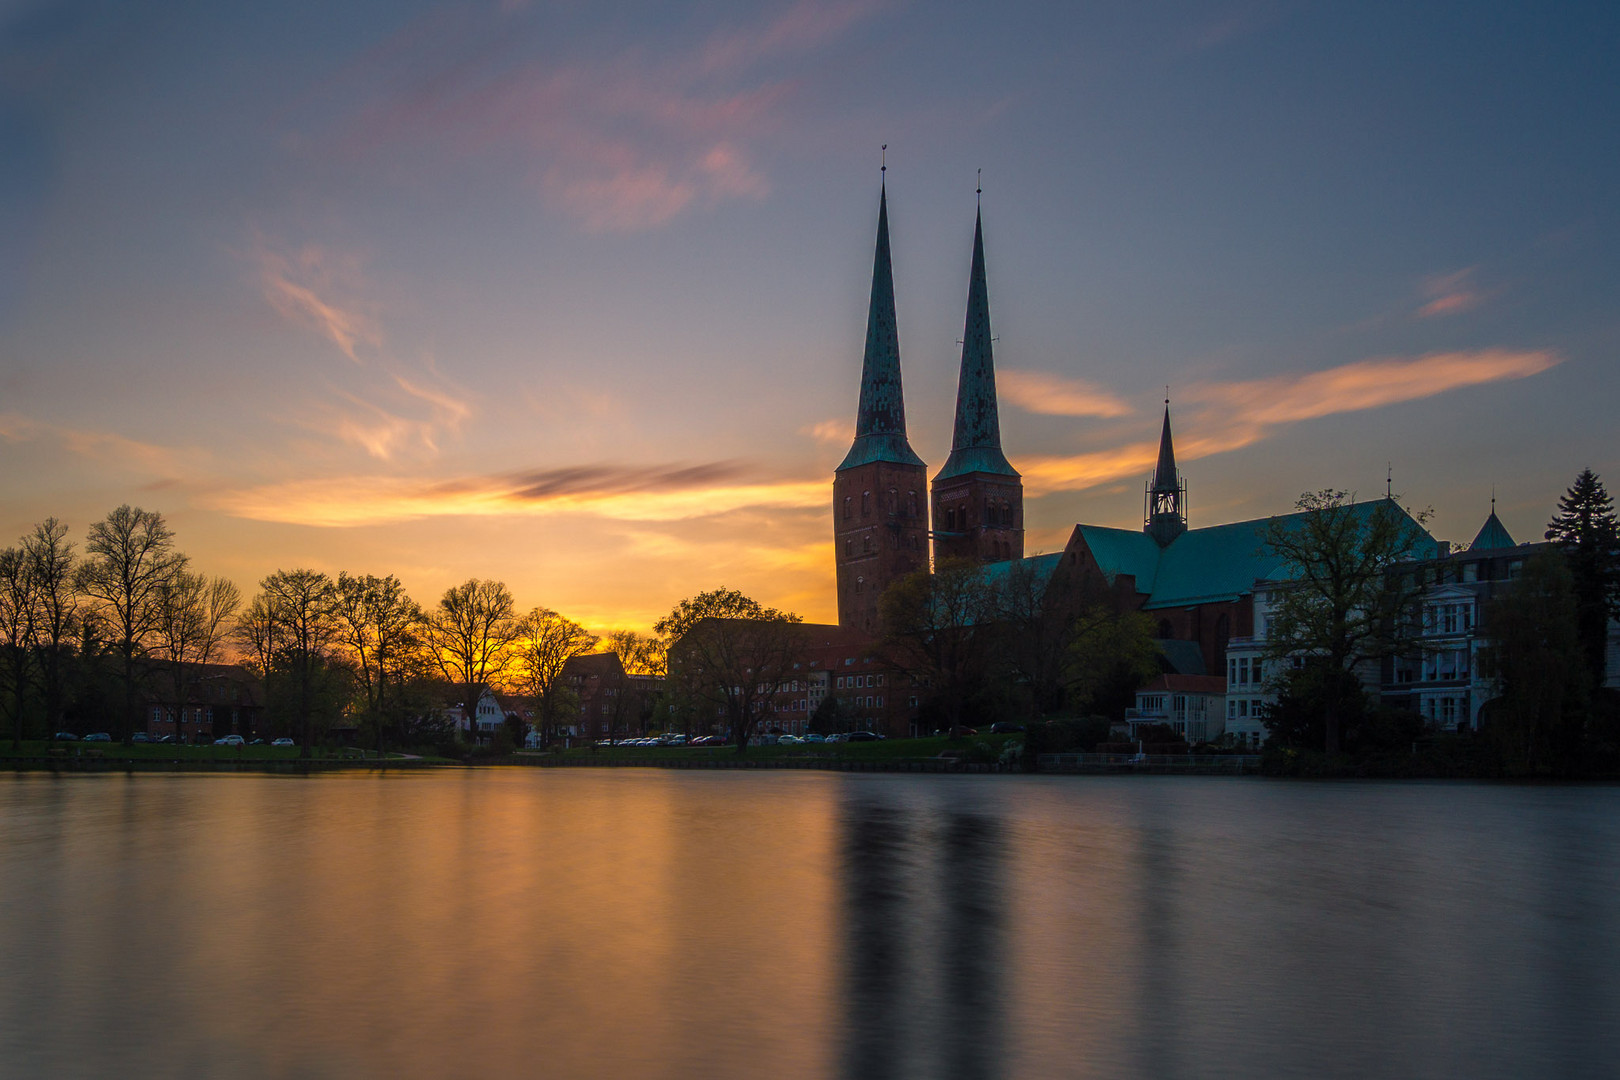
292 628
1108 655
18 611
1534 651
193 624
730 652
941 628
1342 606
1036 634
641 654
1585 530
130 559
51 565
471 636
546 642
380 631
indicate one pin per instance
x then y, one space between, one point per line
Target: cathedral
885 512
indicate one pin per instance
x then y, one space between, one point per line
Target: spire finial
884 166
1389 480
1167 394
978 191
1493 498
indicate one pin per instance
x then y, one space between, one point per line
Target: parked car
1005 727
283 741
788 740
231 740
140 737
65 736
100 736
837 736
256 742
813 737
164 740
863 736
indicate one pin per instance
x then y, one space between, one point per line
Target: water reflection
629 923
923 954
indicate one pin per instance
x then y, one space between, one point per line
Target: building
1191 705
220 699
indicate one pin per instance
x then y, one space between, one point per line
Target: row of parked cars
721 740
167 740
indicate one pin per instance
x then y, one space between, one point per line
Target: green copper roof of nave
1493 536
1208 565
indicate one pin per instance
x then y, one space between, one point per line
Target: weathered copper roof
1164 474
880 425
1493 536
976 445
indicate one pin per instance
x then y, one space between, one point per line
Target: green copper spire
976 446
1493 535
880 426
1164 474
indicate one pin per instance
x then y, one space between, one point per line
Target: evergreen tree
1586 532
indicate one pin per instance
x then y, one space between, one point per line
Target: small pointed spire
1165 477
976 443
880 423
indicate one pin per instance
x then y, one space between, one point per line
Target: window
849 548
866 544
894 502
847 508
866 503
911 503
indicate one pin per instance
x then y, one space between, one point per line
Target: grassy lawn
887 750
112 751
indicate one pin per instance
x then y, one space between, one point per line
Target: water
630 923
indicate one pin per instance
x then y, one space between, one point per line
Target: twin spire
880 424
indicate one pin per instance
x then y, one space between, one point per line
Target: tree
940 629
471 637
546 642
292 627
51 564
1585 530
1534 651
1109 656
1341 605
380 630
641 654
130 557
1036 633
194 621
731 653
18 611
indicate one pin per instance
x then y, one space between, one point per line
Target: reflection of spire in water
874 912
923 943
972 954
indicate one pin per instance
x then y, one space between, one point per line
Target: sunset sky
573 294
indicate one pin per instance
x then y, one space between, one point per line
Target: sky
573 295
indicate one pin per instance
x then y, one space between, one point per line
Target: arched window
1165 630
860 584
849 548
866 503
866 544
848 509
894 502
911 500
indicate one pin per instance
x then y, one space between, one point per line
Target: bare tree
471 636
51 563
194 622
380 629
18 610
641 654
292 627
130 557
733 654
546 642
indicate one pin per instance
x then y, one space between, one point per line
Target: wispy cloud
619 141
106 448
1054 395
1368 384
1450 294
1229 416
311 287
829 432
660 493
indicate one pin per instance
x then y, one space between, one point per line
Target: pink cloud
1450 294
300 288
1053 395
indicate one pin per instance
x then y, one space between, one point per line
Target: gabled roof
1041 566
1185 684
1184 657
1493 536
1209 565
601 665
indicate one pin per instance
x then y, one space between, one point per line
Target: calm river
640 923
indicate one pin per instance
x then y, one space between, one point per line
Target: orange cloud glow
648 495
1230 416
1368 384
293 287
1054 395
1450 294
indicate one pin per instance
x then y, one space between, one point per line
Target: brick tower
978 497
880 527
